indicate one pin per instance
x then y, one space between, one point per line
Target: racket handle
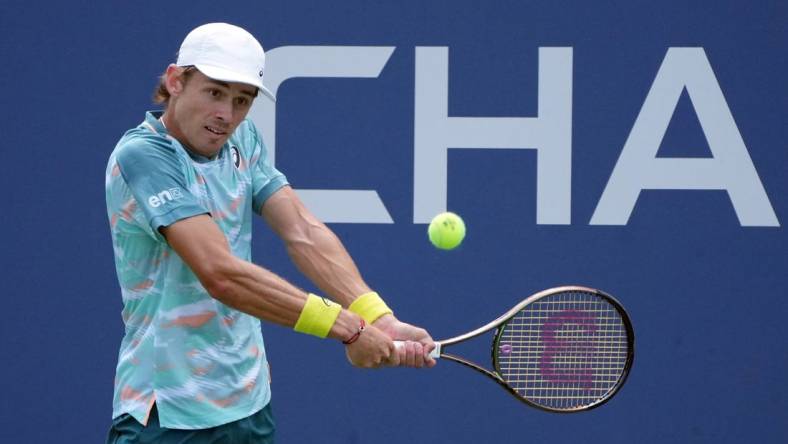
434 354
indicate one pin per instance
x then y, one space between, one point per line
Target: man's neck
174 130
166 121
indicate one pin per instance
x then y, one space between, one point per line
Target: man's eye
214 92
242 101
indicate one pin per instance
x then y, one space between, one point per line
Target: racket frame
439 352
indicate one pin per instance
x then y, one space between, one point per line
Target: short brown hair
160 95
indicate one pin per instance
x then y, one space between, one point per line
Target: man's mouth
216 131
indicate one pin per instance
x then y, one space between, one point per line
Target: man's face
203 113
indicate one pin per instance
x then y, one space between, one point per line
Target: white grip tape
434 354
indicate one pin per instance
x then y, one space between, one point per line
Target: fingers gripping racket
565 349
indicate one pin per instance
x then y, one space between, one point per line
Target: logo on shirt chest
236 156
162 197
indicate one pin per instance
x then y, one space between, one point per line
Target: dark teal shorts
258 429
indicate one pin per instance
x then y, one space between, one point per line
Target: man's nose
224 111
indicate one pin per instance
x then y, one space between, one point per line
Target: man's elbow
217 279
308 236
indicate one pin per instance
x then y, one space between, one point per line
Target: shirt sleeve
266 179
155 175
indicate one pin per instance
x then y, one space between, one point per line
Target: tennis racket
565 349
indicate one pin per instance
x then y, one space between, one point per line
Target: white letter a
730 167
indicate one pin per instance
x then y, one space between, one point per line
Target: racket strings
565 351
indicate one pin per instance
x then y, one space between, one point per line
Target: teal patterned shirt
202 362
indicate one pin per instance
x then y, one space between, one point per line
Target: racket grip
434 354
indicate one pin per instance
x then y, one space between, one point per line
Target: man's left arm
319 255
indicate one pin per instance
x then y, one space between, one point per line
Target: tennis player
181 190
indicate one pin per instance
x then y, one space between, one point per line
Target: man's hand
418 343
372 349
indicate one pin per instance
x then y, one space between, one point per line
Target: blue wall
705 287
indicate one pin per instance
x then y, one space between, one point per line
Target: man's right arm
257 291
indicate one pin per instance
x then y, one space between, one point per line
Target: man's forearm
320 256
261 293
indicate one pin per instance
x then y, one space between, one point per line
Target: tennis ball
446 231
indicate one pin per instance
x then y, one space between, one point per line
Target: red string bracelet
356 335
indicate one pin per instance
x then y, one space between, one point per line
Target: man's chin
213 144
208 149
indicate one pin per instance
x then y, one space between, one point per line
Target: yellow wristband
318 316
370 307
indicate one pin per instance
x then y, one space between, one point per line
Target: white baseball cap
226 53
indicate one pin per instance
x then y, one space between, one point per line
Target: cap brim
225 75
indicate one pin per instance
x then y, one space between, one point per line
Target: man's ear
173 80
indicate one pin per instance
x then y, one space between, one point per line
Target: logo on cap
260 73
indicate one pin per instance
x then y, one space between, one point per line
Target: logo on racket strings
566 349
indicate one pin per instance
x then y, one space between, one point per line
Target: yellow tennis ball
446 231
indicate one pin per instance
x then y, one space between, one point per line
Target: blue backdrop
699 261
